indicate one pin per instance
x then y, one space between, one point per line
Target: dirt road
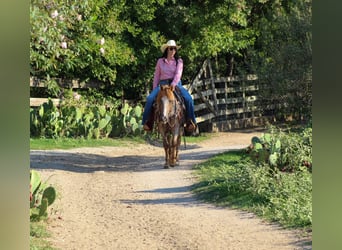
122 198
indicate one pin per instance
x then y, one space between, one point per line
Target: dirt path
122 198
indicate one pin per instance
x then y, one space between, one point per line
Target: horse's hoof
166 166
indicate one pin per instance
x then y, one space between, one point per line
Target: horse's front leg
177 149
174 150
166 145
176 141
163 133
179 141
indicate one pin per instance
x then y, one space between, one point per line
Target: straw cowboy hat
170 43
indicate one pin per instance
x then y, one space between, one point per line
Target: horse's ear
170 94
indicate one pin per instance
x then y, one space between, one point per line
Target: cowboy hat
170 43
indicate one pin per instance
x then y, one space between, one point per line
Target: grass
39 236
213 176
68 143
199 138
231 179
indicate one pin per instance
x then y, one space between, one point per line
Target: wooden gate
223 103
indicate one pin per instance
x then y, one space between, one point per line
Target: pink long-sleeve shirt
168 70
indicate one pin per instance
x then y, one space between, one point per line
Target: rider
169 69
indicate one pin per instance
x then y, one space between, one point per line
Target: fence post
212 80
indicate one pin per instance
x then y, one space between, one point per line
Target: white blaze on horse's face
165 109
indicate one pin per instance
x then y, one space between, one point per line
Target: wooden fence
223 103
71 84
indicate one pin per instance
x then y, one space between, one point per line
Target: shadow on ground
86 162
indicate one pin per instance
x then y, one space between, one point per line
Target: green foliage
286 151
132 119
288 197
234 179
39 236
45 120
101 119
68 143
282 57
266 149
68 39
41 196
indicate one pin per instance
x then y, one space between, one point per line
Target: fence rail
36 102
63 83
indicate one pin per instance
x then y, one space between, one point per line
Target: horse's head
165 101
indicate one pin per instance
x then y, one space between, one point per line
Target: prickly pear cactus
49 194
266 149
41 196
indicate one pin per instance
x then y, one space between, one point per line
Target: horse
169 117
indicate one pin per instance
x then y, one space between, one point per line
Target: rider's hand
173 87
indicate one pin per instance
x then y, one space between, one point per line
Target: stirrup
190 126
146 127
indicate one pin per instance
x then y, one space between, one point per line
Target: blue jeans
189 103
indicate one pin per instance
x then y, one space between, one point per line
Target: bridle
168 116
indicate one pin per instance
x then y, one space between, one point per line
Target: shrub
287 151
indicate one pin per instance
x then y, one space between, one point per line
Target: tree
282 55
82 39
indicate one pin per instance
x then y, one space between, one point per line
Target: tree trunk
230 64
